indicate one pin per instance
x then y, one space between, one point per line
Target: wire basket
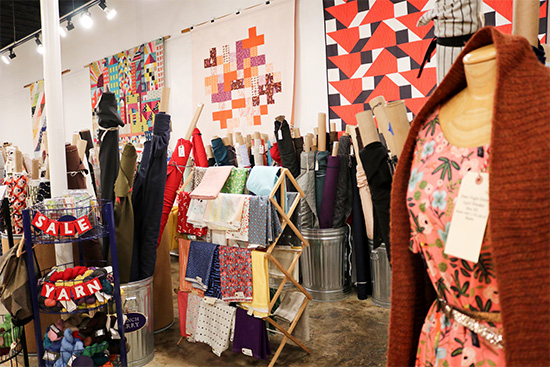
68 209
10 339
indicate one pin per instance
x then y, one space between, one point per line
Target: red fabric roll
275 155
199 154
174 175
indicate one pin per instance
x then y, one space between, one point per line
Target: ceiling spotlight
39 46
62 32
12 54
70 25
86 20
111 13
6 59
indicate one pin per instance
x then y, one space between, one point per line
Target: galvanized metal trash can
139 327
381 275
326 263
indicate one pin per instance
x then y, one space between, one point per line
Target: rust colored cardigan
519 207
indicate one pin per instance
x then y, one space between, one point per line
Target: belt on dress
472 320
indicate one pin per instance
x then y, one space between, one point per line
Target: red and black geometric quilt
374 47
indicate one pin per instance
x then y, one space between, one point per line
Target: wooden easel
285 220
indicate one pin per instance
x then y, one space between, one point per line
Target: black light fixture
39 46
109 12
70 25
12 54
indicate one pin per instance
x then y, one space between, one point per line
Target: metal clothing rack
100 230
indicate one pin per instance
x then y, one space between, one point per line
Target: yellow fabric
260 286
171 227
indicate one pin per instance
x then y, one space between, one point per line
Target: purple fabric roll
329 192
250 336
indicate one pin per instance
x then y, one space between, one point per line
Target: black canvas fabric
320 174
86 135
220 152
342 203
286 148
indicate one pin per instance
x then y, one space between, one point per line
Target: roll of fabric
342 203
86 135
307 208
286 148
275 154
326 216
148 213
321 161
199 153
32 192
109 123
231 156
220 152
124 212
75 168
243 160
260 284
174 175
17 195
257 151
250 335
212 183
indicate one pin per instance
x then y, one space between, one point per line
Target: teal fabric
262 179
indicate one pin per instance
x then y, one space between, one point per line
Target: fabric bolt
214 282
262 180
173 228
257 221
32 191
182 312
307 208
298 146
95 167
44 191
109 122
342 203
231 156
215 325
287 149
250 334
86 135
211 162
260 285
185 286
199 263
360 181
17 195
241 234
519 208
275 154
377 167
148 212
2 167
235 274
326 216
191 316
290 305
268 154
220 152
212 183
174 176
184 200
199 153
243 160
75 168
257 149
198 174
236 181
359 232
321 161
124 212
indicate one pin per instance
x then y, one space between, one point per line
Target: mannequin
466 118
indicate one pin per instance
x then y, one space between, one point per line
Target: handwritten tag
280 135
181 151
469 218
247 352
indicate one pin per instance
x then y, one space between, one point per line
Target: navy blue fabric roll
148 206
220 152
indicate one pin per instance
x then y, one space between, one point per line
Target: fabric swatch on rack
250 336
262 180
212 183
258 220
218 236
185 285
260 285
191 316
235 274
302 330
224 212
198 174
241 234
273 222
196 212
184 201
215 323
284 255
182 311
214 285
236 181
199 263
290 305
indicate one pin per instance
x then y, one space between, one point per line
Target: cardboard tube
257 135
332 126
35 169
335 149
240 139
226 141
367 127
18 161
307 143
209 152
297 133
81 147
164 99
322 126
378 106
230 137
265 137
76 136
526 20
194 121
397 114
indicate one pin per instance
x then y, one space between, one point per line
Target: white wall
140 21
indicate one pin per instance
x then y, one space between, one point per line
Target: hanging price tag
280 135
181 151
470 217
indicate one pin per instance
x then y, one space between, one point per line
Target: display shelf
101 218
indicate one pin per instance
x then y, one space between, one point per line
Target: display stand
285 216
100 230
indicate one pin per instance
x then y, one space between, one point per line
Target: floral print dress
437 171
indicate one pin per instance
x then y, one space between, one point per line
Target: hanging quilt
374 47
243 69
38 113
135 76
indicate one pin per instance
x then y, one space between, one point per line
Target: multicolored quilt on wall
38 112
243 69
135 76
375 48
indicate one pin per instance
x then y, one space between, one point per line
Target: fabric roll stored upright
75 168
124 212
220 152
109 123
321 161
326 215
149 211
286 148
307 208
342 203
87 136
199 153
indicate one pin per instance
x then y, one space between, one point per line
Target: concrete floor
345 333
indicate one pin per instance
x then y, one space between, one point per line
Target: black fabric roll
87 136
220 152
342 203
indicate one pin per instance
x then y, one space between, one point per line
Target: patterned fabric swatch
235 274
215 323
260 284
199 263
236 181
257 220
185 286
17 195
274 228
198 174
184 200
242 233
191 316
214 286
